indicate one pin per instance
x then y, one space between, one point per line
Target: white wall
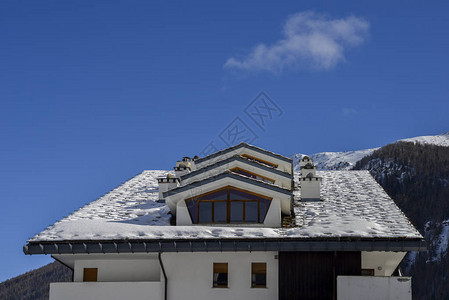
190 276
118 267
273 217
106 291
182 214
383 262
373 288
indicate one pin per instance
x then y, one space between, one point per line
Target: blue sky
94 92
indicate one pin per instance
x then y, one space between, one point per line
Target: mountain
346 160
34 284
437 140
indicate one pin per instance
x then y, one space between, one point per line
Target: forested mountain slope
34 284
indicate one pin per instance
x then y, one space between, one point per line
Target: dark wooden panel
305 275
312 275
348 263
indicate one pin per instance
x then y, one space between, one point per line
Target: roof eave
225 245
225 174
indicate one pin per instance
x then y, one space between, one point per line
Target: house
237 224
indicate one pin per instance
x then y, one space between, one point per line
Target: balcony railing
106 290
373 288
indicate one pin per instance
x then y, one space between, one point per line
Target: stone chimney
305 160
167 183
309 182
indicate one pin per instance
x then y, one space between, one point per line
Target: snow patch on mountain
438 235
346 160
438 140
334 160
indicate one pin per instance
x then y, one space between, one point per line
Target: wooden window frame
255 269
260 160
90 274
236 169
216 270
228 206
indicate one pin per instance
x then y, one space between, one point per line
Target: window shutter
220 268
90 274
259 268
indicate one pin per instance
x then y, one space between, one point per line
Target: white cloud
349 111
310 40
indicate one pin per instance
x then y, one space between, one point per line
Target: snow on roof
353 205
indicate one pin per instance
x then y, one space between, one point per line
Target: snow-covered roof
353 206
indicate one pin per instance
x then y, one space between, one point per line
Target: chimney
184 166
310 183
165 184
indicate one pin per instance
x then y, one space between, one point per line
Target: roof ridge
244 144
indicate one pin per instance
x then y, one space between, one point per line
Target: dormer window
252 175
228 205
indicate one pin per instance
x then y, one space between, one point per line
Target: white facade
374 288
384 263
190 275
106 291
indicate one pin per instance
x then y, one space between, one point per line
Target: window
90 274
258 275
228 205
367 272
260 160
220 279
252 175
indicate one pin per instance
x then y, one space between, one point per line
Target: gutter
226 245
165 275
